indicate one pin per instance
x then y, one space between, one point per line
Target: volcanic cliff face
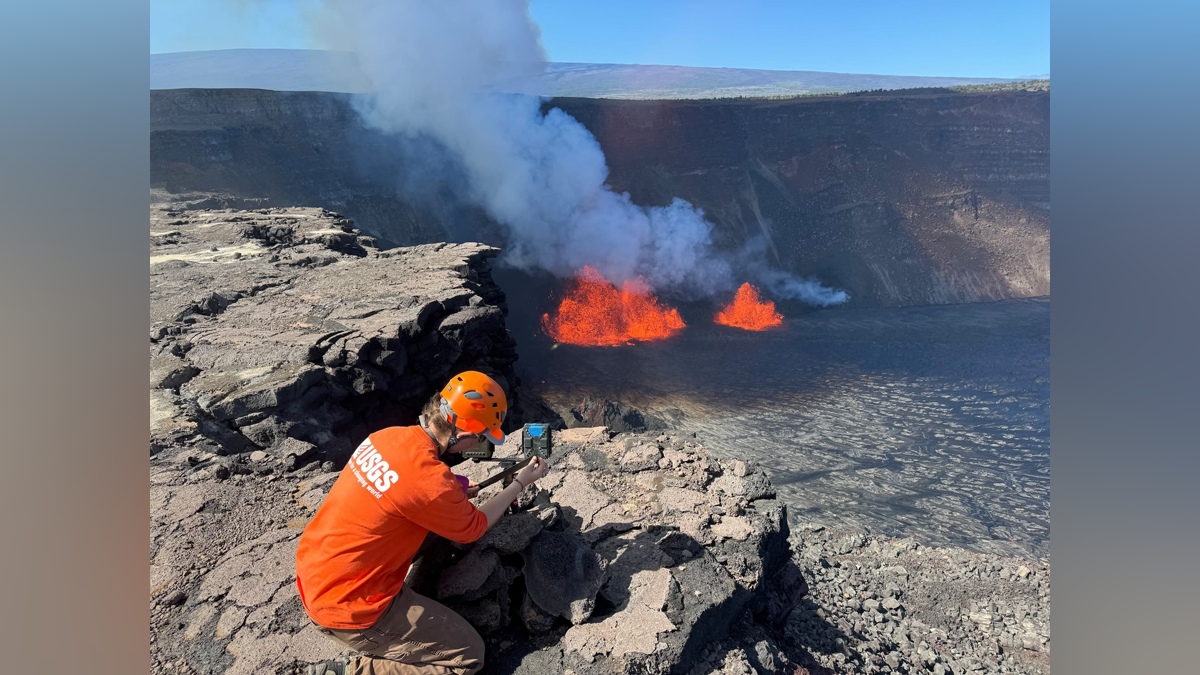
287 331
903 198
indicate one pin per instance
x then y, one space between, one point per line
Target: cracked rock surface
286 331
278 339
886 605
691 577
623 571
646 587
879 604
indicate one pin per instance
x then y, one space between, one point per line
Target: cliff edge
288 331
280 337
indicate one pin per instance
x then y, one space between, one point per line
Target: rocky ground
878 605
279 337
638 553
286 331
634 555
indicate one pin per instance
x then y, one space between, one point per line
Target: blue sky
935 37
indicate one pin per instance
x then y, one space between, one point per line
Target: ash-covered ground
924 422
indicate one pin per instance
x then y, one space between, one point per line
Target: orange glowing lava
595 314
750 312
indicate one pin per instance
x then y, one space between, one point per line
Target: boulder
641 457
751 486
784 591
486 615
563 575
634 630
732 527
583 435
294 452
579 499
478 573
612 415
512 533
535 619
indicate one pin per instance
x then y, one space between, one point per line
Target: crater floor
929 422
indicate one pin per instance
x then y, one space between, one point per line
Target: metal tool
535 442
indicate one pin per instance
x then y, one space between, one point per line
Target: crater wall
904 198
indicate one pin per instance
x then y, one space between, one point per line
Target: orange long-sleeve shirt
354 554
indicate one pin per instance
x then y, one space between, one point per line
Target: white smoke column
540 176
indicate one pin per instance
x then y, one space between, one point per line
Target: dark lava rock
511 534
563 575
617 417
610 571
535 619
477 574
295 355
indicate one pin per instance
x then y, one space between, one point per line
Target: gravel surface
882 605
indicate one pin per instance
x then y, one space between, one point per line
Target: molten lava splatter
594 313
750 312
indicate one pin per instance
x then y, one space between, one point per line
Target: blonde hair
434 416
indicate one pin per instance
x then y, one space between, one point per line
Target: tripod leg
512 508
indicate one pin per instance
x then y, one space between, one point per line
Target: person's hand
533 471
472 489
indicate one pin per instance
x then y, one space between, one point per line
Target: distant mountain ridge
331 71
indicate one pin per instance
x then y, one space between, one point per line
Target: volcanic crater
920 409
903 199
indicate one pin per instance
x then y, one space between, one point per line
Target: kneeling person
353 557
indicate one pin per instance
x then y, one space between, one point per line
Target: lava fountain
594 313
748 311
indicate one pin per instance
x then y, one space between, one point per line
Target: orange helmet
476 404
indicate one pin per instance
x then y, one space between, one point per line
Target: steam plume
542 177
784 285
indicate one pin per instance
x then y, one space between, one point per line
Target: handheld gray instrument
535 442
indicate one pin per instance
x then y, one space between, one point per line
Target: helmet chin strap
450 442
425 427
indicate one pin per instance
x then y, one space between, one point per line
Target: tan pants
414 636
